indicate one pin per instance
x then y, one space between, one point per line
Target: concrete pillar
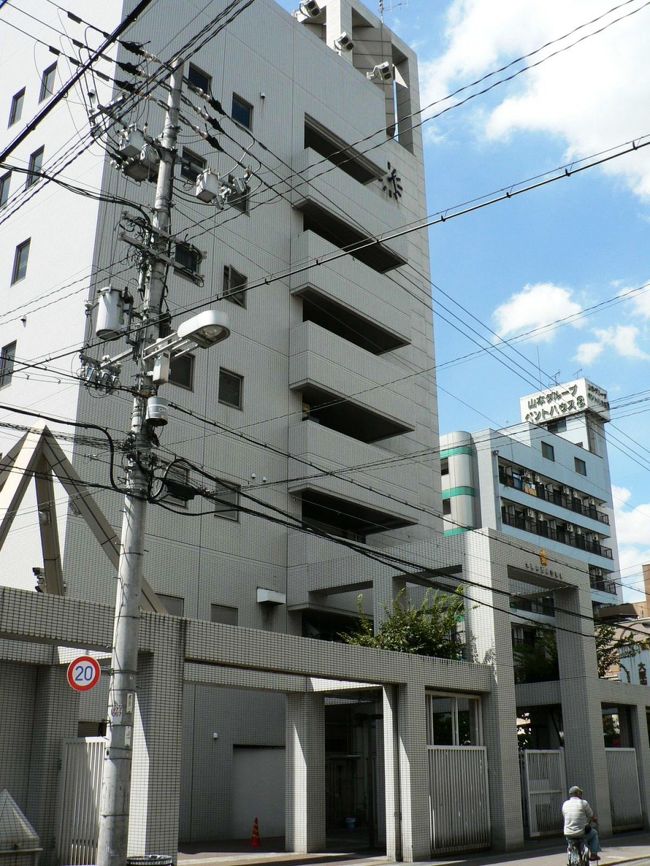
157 739
384 592
642 747
413 773
338 20
56 710
305 786
584 748
489 636
391 773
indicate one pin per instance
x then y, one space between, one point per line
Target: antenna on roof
390 6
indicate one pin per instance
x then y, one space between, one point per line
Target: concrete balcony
392 485
353 287
348 211
348 388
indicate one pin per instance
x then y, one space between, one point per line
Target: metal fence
544 788
624 793
460 805
82 764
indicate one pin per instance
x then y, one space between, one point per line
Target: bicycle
577 852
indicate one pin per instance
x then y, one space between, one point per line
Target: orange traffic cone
255 836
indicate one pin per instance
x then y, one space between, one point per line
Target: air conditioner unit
381 72
208 186
344 42
310 8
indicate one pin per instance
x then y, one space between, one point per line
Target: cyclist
578 822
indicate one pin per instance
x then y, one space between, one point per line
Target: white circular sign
83 673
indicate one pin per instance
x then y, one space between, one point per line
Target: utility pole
116 783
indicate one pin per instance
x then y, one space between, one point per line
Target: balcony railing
573 503
541 527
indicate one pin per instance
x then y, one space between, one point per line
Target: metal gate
544 787
460 803
82 764
624 794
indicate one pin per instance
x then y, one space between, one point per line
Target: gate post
413 772
305 799
641 743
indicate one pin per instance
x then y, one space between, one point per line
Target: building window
231 386
20 261
176 481
192 164
580 465
4 188
242 111
234 286
453 720
446 506
199 78
47 82
16 110
556 426
7 358
35 167
444 466
174 603
548 451
224 614
187 258
240 200
181 371
228 504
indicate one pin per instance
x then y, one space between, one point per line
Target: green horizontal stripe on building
458 491
451 452
457 531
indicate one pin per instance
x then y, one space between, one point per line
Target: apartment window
7 358
224 614
231 387
35 166
556 426
191 164
47 82
199 78
580 466
548 451
16 110
228 505
446 506
453 720
242 111
177 480
4 188
187 258
174 603
20 261
444 466
181 371
234 286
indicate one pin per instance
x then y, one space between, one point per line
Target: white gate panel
460 803
82 764
545 786
624 793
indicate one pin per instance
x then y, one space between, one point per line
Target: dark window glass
240 201
176 478
227 506
20 261
223 613
175 604
4 188
187 258
242 111
557 426
548 451
191 164
231 386
444 466
199 78
234 286
580 465
16 110
181 371
47 82
7 358
446 506
35 166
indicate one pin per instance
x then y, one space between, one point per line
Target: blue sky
524 263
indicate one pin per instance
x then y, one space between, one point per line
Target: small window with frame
226 504
242 112
580 466
16 110
548 451
7 358
446 507
177 481
174 603
234 286
223 613
199 78
35 167
192 164
231 388
48 78
187 259
21 257
181 371
5 180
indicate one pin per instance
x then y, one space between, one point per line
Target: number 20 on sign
83 673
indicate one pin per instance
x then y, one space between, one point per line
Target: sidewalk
622 848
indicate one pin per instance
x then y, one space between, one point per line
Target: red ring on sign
83 673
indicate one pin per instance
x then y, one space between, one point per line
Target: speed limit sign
83 673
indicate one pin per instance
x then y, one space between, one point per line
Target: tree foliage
428 629
612 648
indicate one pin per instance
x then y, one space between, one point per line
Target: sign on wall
581 395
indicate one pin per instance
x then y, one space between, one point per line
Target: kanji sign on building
83 673
560 401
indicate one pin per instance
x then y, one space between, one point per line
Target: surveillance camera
344 42
310 8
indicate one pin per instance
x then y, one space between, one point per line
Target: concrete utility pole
116 783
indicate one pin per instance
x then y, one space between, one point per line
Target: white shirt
577 814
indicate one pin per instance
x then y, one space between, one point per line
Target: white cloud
633 533
535 306
591 96
641 304
621 338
